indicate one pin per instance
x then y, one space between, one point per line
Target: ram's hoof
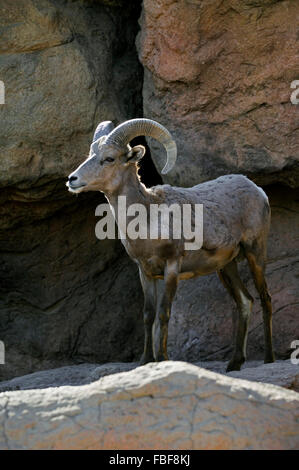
161 358
268 359
145 360
234 365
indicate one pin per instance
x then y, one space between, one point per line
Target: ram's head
110 154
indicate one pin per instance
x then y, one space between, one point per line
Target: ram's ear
135 154
95 145
101 140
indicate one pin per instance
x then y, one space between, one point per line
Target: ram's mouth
75 188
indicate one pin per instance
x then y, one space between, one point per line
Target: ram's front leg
166 293
149 311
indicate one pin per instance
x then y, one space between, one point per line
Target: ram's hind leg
256 256
165 293
230 277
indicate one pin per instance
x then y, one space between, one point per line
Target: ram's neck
130 191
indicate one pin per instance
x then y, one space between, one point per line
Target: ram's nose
74 183
72 178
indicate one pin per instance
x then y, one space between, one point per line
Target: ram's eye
109 159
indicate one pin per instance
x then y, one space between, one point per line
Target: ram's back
234 208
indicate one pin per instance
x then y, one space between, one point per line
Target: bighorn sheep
236 218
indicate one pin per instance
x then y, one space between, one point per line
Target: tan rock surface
170 405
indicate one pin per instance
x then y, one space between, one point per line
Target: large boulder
218 75
170 405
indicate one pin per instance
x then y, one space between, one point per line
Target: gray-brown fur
235 224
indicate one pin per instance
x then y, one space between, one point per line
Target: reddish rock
218 75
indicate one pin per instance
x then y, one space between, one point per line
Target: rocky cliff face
66 66
218 75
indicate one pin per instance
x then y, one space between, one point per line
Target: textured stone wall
218 75
65 296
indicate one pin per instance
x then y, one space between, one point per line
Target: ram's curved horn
104 128
126 131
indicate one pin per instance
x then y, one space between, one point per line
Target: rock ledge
170 405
